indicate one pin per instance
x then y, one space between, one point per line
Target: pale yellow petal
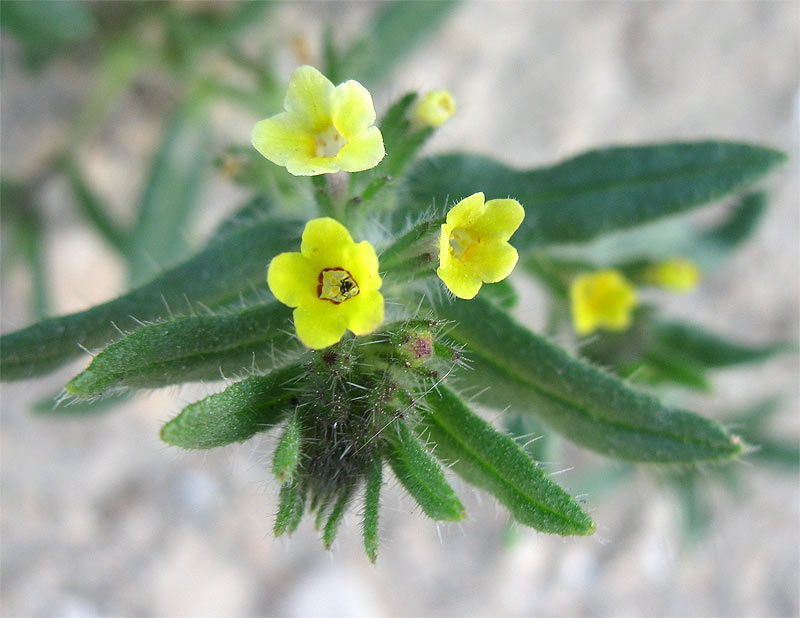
467 211
319 324
352 110
459 279
326 243
500 218
362 153
291 279
309 97
492 261
364 313
280 139
310 165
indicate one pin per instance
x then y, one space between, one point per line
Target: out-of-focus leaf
585 404
176 179
601 191
399 27
422 477
371 502
56 405
216 276
335 517
190 348
706 349
497 464
239 412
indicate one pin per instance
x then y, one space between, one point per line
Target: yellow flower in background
434 109
603 299
473 245
324 128
333 282
675 275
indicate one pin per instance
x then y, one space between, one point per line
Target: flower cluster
333 282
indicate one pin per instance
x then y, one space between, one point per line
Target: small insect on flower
324 128
434 109
333 282
473 244
676 275
602 299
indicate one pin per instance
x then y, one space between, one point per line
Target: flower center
461 241
329 142
336 285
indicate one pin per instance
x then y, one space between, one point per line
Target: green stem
392 257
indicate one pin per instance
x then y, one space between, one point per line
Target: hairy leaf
494 462
214 277
422 477
372 495
190 348
335 517
585 404
600 191
287 454
237 413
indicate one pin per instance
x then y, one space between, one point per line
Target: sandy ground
99 518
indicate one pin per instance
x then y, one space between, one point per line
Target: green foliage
371 504
422 477
286 459
494 462
239 412
601 191
587 405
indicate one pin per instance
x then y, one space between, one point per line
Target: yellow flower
473 245
333 282
603 299
675 275
324 129
434 109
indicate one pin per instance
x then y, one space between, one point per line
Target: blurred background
99 518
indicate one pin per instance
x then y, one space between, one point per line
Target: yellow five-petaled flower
324 128
602 299
333 282
676 275
473 244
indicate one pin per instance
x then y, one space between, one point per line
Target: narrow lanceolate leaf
422 477
290 508
237 413
171 193
335 517
287 453
585 404
695 344
371 503
494 462
214 277
600 191
190 348
740 223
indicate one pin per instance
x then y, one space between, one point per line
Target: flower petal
493 261
281 139
309 98
326 243
501 218
352 110
363 152
305 165
362 264
459 279
291 279
319 324
467 211
364 313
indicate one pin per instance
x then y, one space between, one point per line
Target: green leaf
56 405
585 404
214 277
600 191
371 503
740 223
286 458
335 517
189 349
176 179
422 477
702 347
290 508
399 27
494 462
237 413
